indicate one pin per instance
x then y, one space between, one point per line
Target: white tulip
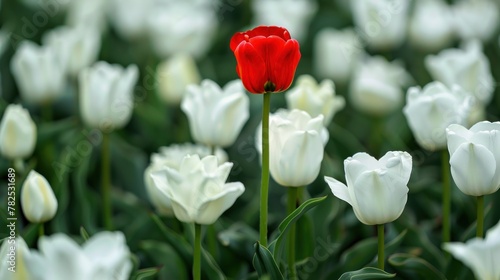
89 13
182 27
376 189
316 99
174 75
431 26
381 23
476 19
38 201
13 262
38 72
77 47
216 116
130 17
17 133
480 255
294 15
336 53
296 144
468 68
429 111
171 157
104 256
106 95
197 191
475 157
376 87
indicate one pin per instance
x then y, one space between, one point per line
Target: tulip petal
478 255
354 166
283 65
211 209
251 67
473 168
338 189
456 136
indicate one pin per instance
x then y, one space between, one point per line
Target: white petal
456 135
338 189
212 209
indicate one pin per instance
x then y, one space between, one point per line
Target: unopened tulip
38 201
17 133
376 189
316 99
480 255
296 142
475 157
197 191
429 111
216 116
106 95
174 75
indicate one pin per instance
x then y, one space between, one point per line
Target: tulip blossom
174 75
39 73
376 189
216 116
475 157
476 19
197 191
22 252
480 255
171 157
104 256
429 111
38 201
316 99
266 58
106 95
17 133
296 143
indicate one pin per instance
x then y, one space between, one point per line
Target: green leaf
305 232
359 255
414 267
146 273
240 238
84 234
394 244
366 273
265 264
276 245
172 265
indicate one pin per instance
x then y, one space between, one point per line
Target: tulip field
249 139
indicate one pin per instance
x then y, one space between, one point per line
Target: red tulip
266 58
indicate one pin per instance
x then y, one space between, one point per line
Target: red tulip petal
269 48
268 31
237 39
251 67
283 65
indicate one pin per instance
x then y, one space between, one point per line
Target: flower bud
38 201
17 133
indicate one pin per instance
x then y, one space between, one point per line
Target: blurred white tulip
475 157
174 75
431 26
480 255
381 23
89 13
376 189
476 19
171 157
13 262
17 133
296 144
376 87
429 111
130 17
294 15
216 116
38 202
316 99
197 191
336 53
38 72
106 95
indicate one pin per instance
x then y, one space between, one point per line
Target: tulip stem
380 232
265 169
291 206
480 216
211 232
41 230
446 195
197 252
106 182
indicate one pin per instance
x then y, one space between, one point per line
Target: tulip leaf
276 245
265 264
240 238
414 267
84 233
393 245
360 254
366 273
146 273
172 265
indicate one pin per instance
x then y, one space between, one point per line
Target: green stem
106 183
291 206
446 195
480 216
197 252
46 112
264 188
41 230
380 232
376 136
